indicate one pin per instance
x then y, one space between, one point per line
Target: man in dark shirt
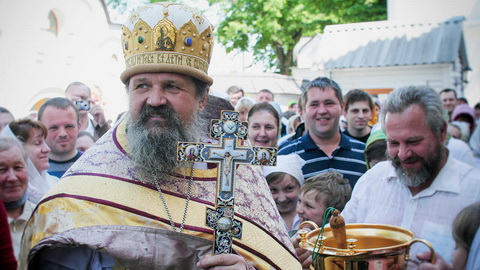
61 118
324 147
358 111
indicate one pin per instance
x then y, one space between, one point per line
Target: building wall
39 61
38 64
441 10
436 76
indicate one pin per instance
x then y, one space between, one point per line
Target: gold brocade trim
121 137
120 192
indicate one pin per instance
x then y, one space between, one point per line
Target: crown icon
167 37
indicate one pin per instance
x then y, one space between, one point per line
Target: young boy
328 189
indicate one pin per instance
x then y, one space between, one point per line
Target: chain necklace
186 203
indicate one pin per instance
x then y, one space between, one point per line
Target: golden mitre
167 37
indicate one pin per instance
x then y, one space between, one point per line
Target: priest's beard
153 144
416 177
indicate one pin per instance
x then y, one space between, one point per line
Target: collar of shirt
447 180
309 144
23 218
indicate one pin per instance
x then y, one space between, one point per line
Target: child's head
376 148
285 189
84 141
284 181
328 189
465 226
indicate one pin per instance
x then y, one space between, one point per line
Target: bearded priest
127 203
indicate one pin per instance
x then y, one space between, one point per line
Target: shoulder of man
351 143
292 146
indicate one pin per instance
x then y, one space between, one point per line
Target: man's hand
440 263
98 115
223 261
304 256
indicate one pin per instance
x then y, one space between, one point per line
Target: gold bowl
370 246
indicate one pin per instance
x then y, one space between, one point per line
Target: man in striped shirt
324 147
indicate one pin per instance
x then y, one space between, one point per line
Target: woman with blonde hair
242 107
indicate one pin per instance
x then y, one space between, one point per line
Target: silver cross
227 154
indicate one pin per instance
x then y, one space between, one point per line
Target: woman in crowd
293 123
13 188
32 135
243 106
465 113
284 181
263 125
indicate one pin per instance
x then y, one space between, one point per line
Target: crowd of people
86 193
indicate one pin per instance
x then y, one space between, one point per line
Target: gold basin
370 246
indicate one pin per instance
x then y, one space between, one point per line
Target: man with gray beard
128 203
421 187
152 144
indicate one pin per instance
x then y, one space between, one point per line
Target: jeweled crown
167 37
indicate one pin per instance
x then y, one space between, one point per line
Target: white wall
436 76
37 64
441 10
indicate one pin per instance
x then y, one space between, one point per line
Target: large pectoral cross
227 154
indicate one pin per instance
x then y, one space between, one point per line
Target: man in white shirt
421 187
461 150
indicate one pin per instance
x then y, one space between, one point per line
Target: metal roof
385 43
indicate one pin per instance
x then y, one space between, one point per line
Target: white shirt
295 224
18 225
461 151
379 197
475 143
90 128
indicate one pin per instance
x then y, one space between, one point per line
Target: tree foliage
270 29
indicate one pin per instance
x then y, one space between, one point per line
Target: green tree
271 28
